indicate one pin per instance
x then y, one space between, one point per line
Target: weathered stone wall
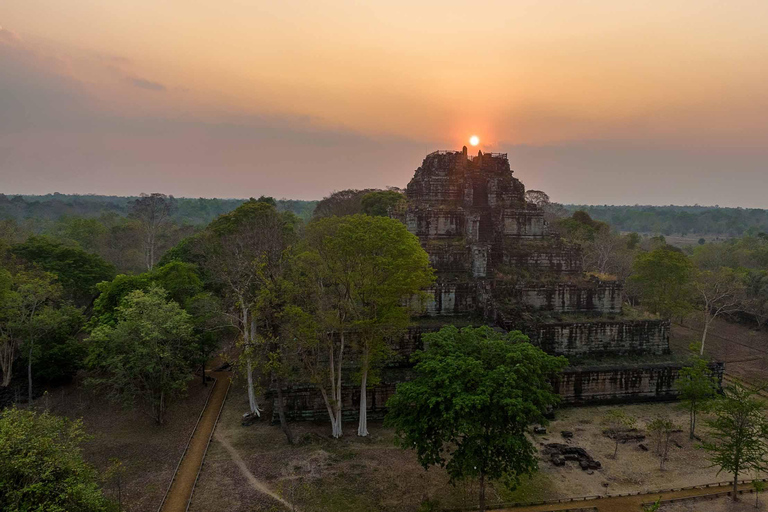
604 297
579 386
448 298
576 386
524 223
604 338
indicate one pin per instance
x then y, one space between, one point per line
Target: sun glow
474 140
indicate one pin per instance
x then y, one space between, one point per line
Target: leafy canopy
475 393
41 466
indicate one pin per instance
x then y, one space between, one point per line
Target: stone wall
603 297
576 386
585 385
596 339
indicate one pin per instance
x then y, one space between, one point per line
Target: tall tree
153 211
370 267
474 396
697 386
739 433
663 277
720 292
381 202
77 271
149 355
26 316
42 467
238 249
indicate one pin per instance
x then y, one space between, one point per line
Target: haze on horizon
596 102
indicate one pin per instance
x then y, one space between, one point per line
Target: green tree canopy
738 433
148 356
664 279
378 204
469 407
41 466
77 271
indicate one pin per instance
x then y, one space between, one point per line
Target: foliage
663 278
41 466
683 220
697 386
738 432
148 356
379 203
469 407
367 269
76 270
662 428
343 202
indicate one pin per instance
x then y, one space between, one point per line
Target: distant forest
194 212
40 213
680 220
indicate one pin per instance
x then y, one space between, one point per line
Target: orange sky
592 99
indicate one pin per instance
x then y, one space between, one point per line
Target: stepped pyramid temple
497 263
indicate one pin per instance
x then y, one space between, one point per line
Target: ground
149 452
322 474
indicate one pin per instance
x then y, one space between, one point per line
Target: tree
473 398
26 315
537 197
756 296
41 465
720 292
77 271
663 277
617 421
369 268
662 428
153 211
758 486
341 203
696 386
739 432
381 202
239 249
149 355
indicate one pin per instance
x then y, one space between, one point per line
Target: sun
474 140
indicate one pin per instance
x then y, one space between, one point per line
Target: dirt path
256 484
624 503
186 476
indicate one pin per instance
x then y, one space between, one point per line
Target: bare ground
149 452
747 504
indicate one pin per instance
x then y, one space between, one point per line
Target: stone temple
497 263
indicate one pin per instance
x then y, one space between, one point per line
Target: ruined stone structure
497 263
495 260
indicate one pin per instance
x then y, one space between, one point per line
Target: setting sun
474 140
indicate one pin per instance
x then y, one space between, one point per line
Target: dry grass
148 452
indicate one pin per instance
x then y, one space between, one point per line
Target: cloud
6 36
146 84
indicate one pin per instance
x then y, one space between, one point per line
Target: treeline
679 220
194 211
114 227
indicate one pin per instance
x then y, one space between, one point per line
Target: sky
595 101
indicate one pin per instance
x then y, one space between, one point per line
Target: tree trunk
707 321
7 351
362 428
693 421
482 492
616 450
735 486
337 399
254 407
29 372
161 408
281 412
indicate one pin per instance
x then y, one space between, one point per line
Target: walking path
180 492
625 503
